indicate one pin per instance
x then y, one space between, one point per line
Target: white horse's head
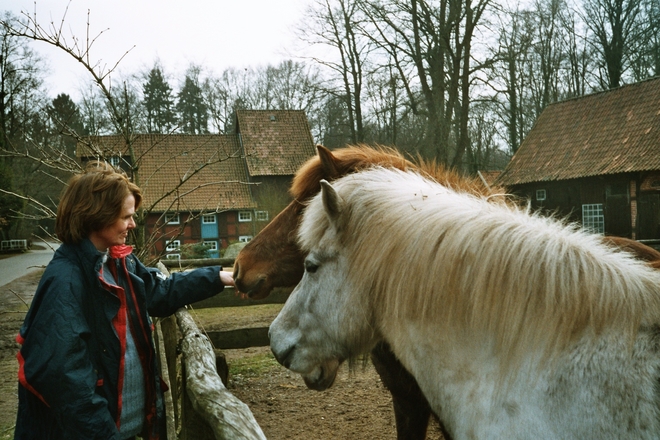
320 325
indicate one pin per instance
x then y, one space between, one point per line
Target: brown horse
273 259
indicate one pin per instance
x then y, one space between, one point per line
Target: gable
612 132
276 142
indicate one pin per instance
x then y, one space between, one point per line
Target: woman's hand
227 278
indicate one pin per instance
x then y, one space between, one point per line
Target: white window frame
173 256
172 219
213 243
244 216
244 238
115 161
261 216
172 245
541 195
206 219
593 218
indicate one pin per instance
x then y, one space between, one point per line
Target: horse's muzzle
323 376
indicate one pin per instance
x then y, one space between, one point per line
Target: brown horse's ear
332 203
328 163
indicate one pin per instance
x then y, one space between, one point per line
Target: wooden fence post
222 414
228 417
168 371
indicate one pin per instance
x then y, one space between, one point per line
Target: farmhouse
596 159
215 189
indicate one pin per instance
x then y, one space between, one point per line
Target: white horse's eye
311 267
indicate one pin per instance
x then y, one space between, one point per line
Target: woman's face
116 233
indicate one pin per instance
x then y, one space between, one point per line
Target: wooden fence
199 406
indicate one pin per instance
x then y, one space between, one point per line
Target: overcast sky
215 34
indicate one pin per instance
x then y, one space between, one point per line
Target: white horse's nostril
284 358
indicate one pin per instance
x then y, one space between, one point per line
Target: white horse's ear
332 202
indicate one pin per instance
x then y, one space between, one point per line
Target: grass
247 312
252 366
227 318
7 432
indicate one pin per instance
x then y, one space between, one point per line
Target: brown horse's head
273 259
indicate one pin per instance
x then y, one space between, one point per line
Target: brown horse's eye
311 267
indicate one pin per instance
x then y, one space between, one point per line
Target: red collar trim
120 251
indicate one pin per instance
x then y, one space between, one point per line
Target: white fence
13 245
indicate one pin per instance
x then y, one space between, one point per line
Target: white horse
514 325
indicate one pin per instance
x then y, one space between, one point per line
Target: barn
232 183
596 160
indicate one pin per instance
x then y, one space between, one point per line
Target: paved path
22 264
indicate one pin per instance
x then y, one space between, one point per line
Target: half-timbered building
596 159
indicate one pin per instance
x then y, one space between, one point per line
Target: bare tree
484 149
223 95
296 86
434 42
336 24
617 31
579 57
548 53
508 77
288 85
645 62
382 90
542 56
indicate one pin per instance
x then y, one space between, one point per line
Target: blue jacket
73 337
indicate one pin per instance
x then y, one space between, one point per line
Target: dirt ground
356 407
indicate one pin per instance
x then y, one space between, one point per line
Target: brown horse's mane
306 182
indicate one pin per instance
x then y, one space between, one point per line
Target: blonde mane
422 250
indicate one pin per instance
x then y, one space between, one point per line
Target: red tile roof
617 131
165 160
276 142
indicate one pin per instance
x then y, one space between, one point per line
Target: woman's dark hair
93 200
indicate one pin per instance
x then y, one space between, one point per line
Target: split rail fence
198 404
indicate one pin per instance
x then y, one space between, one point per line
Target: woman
87 365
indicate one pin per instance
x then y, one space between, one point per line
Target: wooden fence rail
244 337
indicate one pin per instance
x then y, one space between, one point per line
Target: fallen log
228 417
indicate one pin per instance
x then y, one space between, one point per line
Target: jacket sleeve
56 364
165 295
